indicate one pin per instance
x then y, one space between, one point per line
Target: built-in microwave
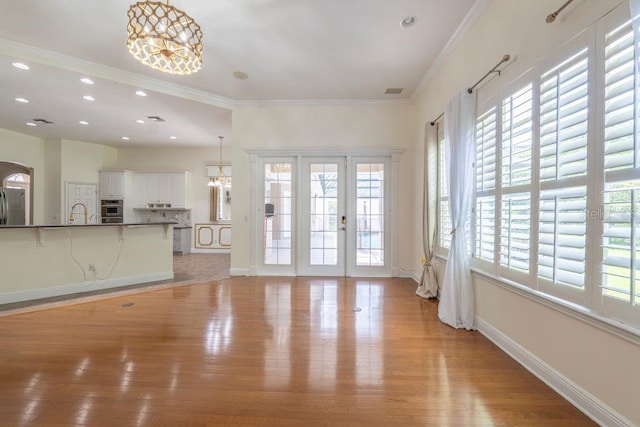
111 208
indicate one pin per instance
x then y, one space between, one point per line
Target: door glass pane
323 213
277 213
370 214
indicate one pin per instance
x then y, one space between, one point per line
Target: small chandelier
164 38
221 179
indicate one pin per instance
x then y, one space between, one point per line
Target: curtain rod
552 16
504 59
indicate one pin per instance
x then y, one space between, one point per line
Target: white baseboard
89 286
239 272
210 251
593 407
406 274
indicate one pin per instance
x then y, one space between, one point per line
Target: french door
324 216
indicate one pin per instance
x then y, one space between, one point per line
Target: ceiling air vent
393 91
43 121
156 119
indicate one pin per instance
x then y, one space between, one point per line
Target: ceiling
304 51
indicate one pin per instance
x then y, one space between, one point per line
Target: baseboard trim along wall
210 251
88 286
593 407
239 272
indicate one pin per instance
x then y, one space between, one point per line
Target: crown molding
471 17
319 102
69 63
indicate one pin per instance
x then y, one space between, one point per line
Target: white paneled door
82 204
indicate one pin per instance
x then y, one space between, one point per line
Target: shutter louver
486 151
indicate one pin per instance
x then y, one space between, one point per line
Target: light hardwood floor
265 352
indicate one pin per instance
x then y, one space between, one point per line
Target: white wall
598 362
163 159
319 127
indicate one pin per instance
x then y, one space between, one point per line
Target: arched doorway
18 177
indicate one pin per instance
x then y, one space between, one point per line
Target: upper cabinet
113 184
162 190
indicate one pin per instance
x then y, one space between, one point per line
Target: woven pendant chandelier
164 38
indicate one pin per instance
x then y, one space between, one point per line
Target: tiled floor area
187 269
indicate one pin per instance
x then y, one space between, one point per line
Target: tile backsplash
182 216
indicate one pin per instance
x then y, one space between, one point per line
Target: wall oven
112 211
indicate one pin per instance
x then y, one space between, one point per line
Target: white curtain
428 287
456 306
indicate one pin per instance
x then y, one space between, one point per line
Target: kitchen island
41 261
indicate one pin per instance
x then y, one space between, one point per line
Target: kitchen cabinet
170 189
213 236
113 184
182 240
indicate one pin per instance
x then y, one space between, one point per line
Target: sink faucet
72 214
96 216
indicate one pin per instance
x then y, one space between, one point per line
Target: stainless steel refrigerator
12 206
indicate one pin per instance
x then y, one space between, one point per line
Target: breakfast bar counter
41 261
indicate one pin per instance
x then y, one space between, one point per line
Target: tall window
557 204
370 214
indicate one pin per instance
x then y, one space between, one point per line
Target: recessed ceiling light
86 81
82 122
23 100
20 65
172 137
407 22
140 121
126 138
141 93
31 124
240 75
88 98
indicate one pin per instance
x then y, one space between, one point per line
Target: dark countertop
180 227
137 224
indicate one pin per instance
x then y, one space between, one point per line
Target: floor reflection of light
82 366
123 355
323 306
277 358
35 379
85 409
127 375
29 411
368 330
175 370
218 335
144 410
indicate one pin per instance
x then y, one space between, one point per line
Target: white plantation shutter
621 151
562 236
563 119
621 198
621 242
515 189
564 128
517 137
485 217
